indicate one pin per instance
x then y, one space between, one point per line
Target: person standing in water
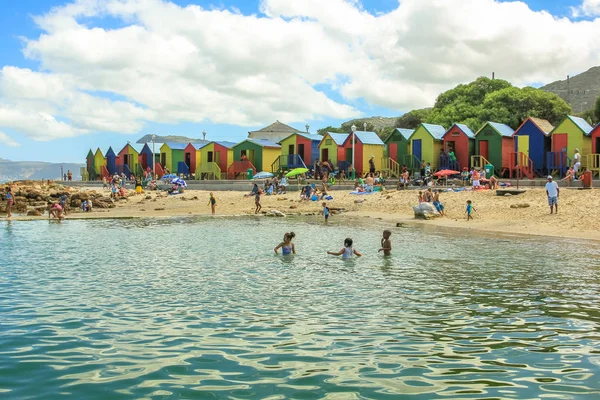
325 211
287 247
386 243
257 202
10 202
213 203
347 251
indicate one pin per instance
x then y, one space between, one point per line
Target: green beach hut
493 143
397 144
261 153
426 145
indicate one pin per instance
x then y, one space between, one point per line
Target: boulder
277 213
33 213
425 211
521 205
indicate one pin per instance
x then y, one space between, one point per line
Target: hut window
327 141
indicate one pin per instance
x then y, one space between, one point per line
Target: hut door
393 152
597 147
163 159
325 154
417 150
301 153
144 160
210 156
188 159
218 157
291 149
250 155
483 149
523 147
559 142
126 159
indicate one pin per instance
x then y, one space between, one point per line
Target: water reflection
188 307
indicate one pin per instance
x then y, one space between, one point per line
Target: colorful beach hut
260 153
460 140
531 144
593 160
127 160
572 133
171 155
331 148
146 157
89 163
214 158
297 150
426 145
398 143
493 145
366 144
111 161
99 161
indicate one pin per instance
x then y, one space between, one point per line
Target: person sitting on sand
569 176
282 185
493 182
324 188
88 207
347 251
342 176
428 196
386 243
421 197
287 247
369 183
56 211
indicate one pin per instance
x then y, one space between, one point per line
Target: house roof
110 149
437 131
100 151
502 129
543 124
313 137
366 137
261 143
278 127
124 147
338 138
466 130
406 133
176 145
581 124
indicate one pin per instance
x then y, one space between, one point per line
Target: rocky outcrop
425 211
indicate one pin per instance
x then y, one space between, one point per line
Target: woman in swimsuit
287 247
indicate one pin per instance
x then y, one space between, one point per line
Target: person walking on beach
10 202
552 191
257 202
287 247
470 210
347 251
213 203
386 243
69 176
576 163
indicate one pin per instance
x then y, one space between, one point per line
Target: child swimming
386 243
347 251
287 247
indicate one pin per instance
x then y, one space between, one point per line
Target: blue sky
344 92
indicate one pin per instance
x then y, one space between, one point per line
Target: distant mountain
379 123
168 138
580 91
19 170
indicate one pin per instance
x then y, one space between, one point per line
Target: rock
293 206
277 213
75 203
183 198
33 213
148 197
358 201
400 225
195 198
159 209
521 205
425 211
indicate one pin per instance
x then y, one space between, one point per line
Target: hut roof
543 124
262 143
367 138
502 129
581 124
437 131
226 144
466 130
406 133
176 145
316 138
338 138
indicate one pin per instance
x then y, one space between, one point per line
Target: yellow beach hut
213 159
331 148
572 133
99 161
426 145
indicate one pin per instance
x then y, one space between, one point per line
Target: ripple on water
202 308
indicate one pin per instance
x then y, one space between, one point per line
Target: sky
81 74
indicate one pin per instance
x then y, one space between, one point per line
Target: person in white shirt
552 192
576 162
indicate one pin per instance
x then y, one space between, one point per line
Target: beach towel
362 192
328 198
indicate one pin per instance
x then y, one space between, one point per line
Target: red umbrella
446 172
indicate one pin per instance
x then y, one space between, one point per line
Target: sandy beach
578 217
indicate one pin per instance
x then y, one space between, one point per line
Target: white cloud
589 8
7 140
174 64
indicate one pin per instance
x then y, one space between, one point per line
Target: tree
597 110
331 129
347 126
412 119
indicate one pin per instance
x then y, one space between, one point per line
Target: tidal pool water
202 308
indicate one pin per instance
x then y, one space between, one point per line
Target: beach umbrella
263 175
169 176
446 172
296 172
179 181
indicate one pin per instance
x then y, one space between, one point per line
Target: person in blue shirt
10 202
325 211
470 210
287 247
